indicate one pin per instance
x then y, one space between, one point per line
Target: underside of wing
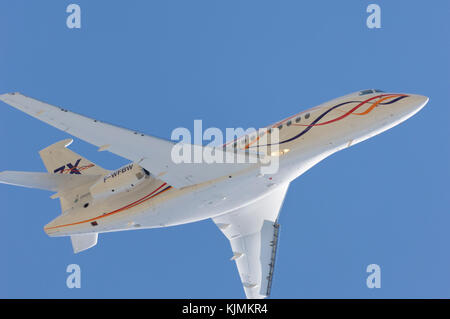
46 181
253 235
150 152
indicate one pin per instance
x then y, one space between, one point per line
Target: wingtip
4 96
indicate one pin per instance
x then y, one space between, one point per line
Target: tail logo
72 168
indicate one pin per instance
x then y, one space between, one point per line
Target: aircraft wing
150 152
253 235
46 181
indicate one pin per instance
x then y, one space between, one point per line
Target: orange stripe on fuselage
375 104
131 205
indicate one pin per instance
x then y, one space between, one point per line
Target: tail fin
58 159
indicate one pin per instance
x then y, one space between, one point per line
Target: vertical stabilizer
58 159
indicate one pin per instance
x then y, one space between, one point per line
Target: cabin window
307 116
280 126
298 119
289 123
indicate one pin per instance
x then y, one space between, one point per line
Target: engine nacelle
123 179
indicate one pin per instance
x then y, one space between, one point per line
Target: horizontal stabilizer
83 241
46 181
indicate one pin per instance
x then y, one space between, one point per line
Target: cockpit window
364 92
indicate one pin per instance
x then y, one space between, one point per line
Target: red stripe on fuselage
131 205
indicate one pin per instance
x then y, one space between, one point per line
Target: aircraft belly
148 207
206 203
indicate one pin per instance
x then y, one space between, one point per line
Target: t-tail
69 175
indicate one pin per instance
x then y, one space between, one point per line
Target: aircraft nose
418 102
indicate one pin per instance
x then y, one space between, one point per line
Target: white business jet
156 191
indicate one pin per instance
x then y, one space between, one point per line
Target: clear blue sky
157 65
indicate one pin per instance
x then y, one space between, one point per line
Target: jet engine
120 180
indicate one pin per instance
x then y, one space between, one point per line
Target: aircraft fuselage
122 201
